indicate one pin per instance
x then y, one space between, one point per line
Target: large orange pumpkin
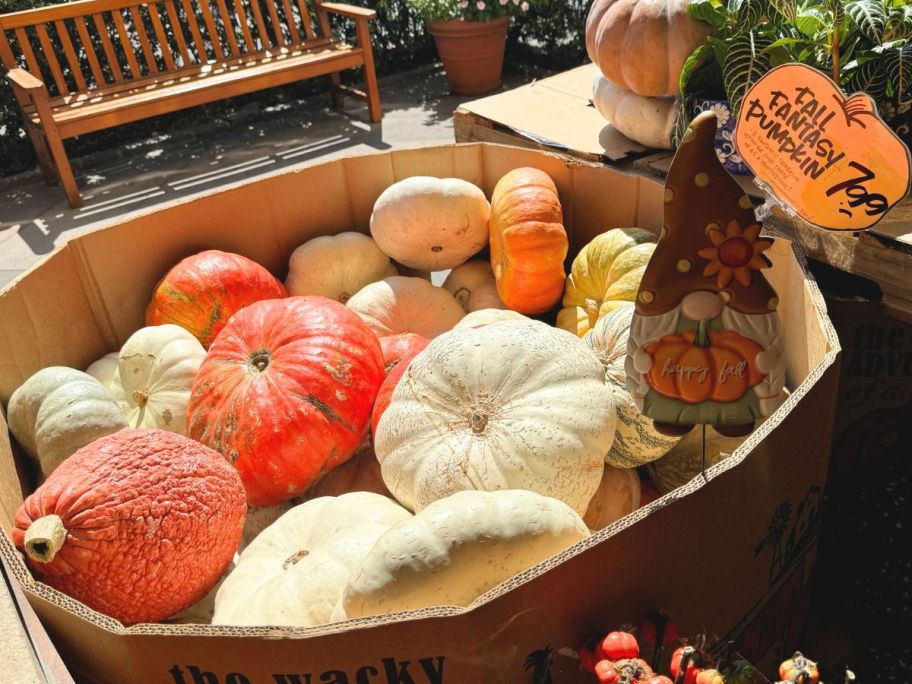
285 393
138 525
722 371
528 241
402 346
203 291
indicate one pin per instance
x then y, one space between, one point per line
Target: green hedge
552 36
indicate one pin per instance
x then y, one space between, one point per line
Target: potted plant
471 36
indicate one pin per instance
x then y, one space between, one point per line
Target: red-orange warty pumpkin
397 347
138 525
393 376
528 241
285 393
204 290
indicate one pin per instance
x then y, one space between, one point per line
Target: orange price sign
828 157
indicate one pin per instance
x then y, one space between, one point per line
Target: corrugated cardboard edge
46 593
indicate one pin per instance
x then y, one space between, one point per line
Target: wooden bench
86 66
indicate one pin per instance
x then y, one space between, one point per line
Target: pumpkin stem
702 337
479 422
260 361
140 398
44 538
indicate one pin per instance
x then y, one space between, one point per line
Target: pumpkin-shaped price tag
827 157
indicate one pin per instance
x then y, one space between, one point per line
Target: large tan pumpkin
618 495
406 305
431 224
457 549
641 45
510 405
648 121
636 441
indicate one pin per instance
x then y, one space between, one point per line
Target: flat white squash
646 120
488 316
400 305
105 369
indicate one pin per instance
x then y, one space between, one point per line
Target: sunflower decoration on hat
705 344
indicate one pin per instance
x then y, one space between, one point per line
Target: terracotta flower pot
472 53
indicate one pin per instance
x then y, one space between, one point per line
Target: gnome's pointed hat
710 241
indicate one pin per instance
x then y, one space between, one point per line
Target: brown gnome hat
710 241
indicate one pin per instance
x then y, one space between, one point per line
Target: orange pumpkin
723 371
797 665
528 241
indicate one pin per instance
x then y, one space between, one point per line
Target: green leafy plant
470 10
864 45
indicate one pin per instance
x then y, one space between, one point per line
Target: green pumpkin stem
702 337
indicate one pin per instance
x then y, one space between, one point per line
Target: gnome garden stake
705 346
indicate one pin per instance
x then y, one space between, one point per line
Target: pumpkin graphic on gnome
705 345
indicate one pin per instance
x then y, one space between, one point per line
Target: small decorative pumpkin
293 574
204 290
476 319
431 224
648 121
528 241
389 384
796 665
618 495
157 366
720 368
513 405
59 410
641 45
636 442
618 646
606 273
685 460
457 549
399 305
114 525
360 473
105 369
473 286
397 347
337 266
307 368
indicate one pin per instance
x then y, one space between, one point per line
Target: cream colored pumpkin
105 369
399 305
636 441
294 572
511 405
157 366
685 462
457 549
431 224
618 495
488 316
605 274
59 410
474 287
360 473
336 266
646 120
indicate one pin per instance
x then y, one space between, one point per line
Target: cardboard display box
730 552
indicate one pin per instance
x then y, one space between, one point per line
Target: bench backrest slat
91 44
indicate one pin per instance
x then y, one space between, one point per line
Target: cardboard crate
730 552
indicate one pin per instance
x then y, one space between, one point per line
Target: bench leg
335 86
45 160
370 73
64 171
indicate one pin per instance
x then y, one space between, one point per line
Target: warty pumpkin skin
605 274
59 410
293 574
204 290
528 241
510 405
285 393
474 287
457 549
641 45
400 304
137 525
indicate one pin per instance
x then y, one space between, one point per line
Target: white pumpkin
488 316
59 410
618 495
399 305
646 120
473 285
105 369
293 574
431 224
511 405
457 549
157 366
336 266
636 442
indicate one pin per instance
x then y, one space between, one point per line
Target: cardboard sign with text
827 157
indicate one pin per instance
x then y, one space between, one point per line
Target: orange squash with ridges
528 241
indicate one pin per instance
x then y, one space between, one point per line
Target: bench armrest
350 11
23 80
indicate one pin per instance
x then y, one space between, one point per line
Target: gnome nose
701 306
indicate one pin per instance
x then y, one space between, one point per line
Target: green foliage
470 10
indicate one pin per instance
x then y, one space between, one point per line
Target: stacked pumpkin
640 47
440 438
